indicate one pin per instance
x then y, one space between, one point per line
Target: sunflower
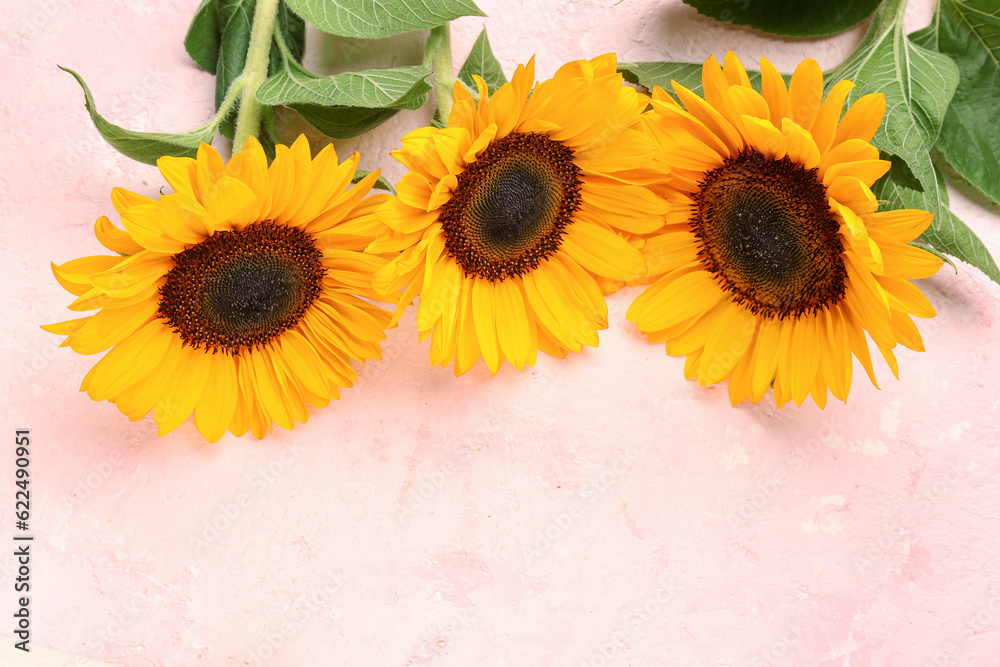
516 219
775 261
236 297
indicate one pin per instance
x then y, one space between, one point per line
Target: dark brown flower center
235 291
511 205
767 233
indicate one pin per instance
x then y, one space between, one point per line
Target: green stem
255 71
438 60
235 88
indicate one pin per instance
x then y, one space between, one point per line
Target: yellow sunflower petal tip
512 219
239 318
775 266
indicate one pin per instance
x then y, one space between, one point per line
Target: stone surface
594 510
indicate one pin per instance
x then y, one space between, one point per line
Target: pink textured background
595 510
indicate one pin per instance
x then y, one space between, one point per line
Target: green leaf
947 234
918 84
346 105
343 122
901 172
381 182
373 19
235 19
969 33
203 37
145 147
292 30
397 88
795 18
481 61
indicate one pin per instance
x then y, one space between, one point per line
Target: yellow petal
178 172
129 361
890 358
825 126
303 361
710 117
852 150
805 93
133 274
674 299
76 275
803 357
862 119
213 415
734 71
764 136
513 331
902 225
267 388
726 345
868 171
467 350
124 200
114 239
907 261
907 295
449 296
774 92
484 315
628 150
667 120
110 326
404 218
669 251
630 208
183 390
800 145
906 331
715 85
765 361
835 362
748 102
153 232
853 193
601 251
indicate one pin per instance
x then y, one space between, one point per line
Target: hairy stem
437 59
255 71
